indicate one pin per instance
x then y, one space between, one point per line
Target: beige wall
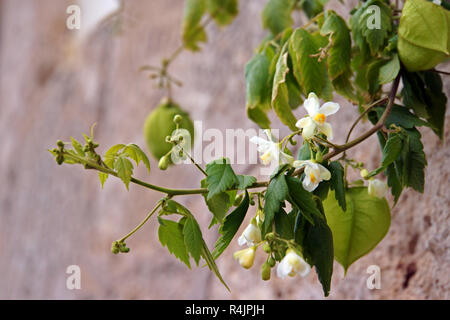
52 217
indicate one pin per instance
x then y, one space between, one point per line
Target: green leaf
339 53
259 117
223 11
276 15
389 70
230 226
436 102
245 181
276 194
302 199
375 32
136 153
414 161
358 230
284 224
257 80
393 148
102 177
318 250
78 147
124 169
193 238
280 95
114 150
218 204
308 71
304 153
170 234
337 183
220 177
400 116
192 31
313 7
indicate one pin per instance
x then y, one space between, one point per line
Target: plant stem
142 223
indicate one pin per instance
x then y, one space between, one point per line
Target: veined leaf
230 226
192 31
389 70
302 199
218 204
220 177
338 183
358 230
193 238
223 11
124 169
276 194
170 234
280 95
276 15
245 181
136 153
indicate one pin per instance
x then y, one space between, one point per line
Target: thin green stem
142 223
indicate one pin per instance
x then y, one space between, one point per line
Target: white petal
329 108
303 122
327 130
308 185
304 269
263 145
284 268
309 130
242 240
299 163
324 174
286 159
312 104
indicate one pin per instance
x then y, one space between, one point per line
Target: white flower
270 150
314 173
245 257
251 235
292 264
377 188
315 121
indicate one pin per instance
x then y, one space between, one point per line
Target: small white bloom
377 188
315 121
245 257
271 150
251 235
314 173
292 264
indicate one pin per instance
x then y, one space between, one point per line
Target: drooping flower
245 257
271 150
251 235
377 188
292 264
314 173
315 121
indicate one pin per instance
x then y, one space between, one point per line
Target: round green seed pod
159 124
265 272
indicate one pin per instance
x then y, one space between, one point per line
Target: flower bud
238 200
177 119
59 143
265 271
267 248
164 162
271 262
364 173
251 235
245 257
377 188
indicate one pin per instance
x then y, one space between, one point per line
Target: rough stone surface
55 216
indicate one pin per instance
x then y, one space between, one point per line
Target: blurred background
55 83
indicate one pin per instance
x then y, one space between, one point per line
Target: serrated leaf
308 71
220 177
170 234
318 249
102 177
218 204
302 199
136 153
230 226
276 194
392 149
245 181
77 147
257 80
358 230
192 31
223 11
400 116
313 7
276 15
280 95
193 238
338 183
124 169
339 53
389 70
414 161
375 23
114 150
